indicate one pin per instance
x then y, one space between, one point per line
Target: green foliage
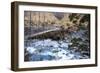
76 40
83 47
82 27
72 16
80 44
85 18
75 21
86 34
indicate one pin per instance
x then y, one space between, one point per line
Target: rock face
47 19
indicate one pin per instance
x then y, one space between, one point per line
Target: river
48 49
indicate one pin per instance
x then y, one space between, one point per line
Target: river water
48 49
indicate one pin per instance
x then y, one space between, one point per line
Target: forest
56 36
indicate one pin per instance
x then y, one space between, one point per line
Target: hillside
48 19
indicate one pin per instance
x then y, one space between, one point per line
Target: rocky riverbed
48 49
